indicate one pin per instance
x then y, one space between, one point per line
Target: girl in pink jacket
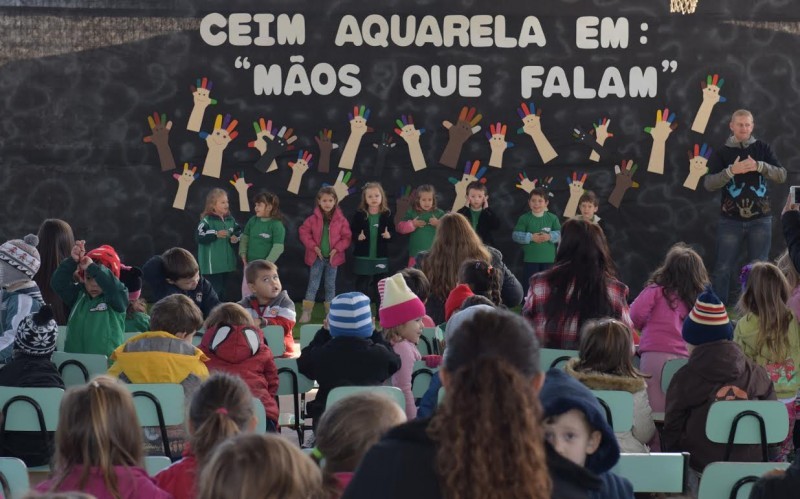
326 235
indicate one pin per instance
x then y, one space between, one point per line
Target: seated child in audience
98 449
717 370
99 301
262 466
346 432
604 363
769 335
176 272
455 299
30 366
234 344
778 484
136 318
784 263
21 296
575 425
352 352
220 408
418 283
401 319
482 279
269 303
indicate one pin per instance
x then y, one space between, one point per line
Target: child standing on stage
421 222
217 232
477 211
264 234
538 231
373 227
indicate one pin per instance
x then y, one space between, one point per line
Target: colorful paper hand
160 128
575 193
358 127
407 130
343 185
224 132
698 160
525 183
404 199
184 179
241 187
277 144
263 131
497 143
465 127
299 168
472 173
325 143
532 126
665 124
601 132
201 95
387 142
711 87
624 181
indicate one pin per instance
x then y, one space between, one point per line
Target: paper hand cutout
276 144
358 127
472 173
202 99
711 87
184 179
532 126
224 132
299 168
698 160
241 187
160 128
403 204
497 143
624 181
387 142
407 130
525 183
465 127
575 193
665 124
343 185
326 145
601 132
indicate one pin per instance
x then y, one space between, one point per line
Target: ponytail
221 407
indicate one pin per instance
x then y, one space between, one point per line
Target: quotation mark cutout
667 65
241 63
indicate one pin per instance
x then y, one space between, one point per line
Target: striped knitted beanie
708 321
350 315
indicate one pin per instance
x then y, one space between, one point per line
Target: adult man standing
741 169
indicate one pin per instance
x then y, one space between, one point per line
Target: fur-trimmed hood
601 381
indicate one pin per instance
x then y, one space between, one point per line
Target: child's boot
308 307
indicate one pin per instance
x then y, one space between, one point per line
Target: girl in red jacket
326 236
221 408
234 344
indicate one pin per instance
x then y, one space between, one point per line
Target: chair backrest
159 405
735 480
26 409
16 475
424 346
434 336
197 338
551 357
128 336
61 339
654 472
154 464
421 378
79 368
307 332
341 392
668 371
619 408
747 422
287 374
261 416
274 337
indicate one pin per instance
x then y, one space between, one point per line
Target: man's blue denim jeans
757 235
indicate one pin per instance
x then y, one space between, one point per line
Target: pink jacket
339 235
132 483
659 324
402 379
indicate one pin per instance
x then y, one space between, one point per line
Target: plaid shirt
565 334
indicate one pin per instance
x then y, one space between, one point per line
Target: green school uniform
422 237
262 239
138 323
215 255
538 252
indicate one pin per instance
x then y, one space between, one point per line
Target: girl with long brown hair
55 244
456 242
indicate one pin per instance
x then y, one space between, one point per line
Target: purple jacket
659 325
339 236
132 483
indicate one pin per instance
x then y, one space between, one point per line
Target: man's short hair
739 113
256 266
175 314
179 264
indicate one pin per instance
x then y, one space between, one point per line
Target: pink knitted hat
398 304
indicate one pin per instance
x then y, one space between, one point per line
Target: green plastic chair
273 335
341 392
30 409
619 408
128 336
656 472
261 416
291 382
668 371
160 405
307 332
733 480
154 464
78 368
550 358
421 378
429 341
61 339
16 476
747 422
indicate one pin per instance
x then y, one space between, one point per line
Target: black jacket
488 222
781 487
791 233
402 465
345 361
361 223
153 274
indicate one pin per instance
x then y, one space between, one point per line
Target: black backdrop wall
81 77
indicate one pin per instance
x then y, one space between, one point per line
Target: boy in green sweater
538 231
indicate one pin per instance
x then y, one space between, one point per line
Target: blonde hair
211 200
263 466
765 297
606 347
428 188
785 264
383 208
392 334
231 314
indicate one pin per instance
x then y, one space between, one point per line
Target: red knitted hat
455 299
